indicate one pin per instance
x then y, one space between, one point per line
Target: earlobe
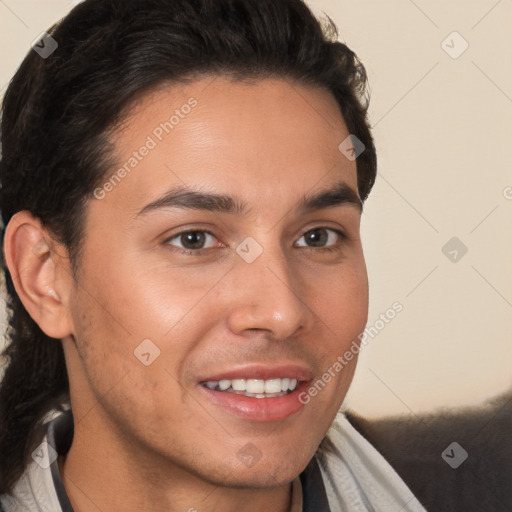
40 274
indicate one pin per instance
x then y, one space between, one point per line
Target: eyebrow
339 194
185 198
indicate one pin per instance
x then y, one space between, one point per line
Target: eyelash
199 252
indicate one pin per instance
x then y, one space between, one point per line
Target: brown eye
192 240
321 237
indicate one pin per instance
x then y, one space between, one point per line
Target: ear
40 270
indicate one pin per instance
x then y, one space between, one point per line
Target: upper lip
262 372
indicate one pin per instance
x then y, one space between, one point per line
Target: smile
254 388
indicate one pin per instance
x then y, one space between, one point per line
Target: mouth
258 393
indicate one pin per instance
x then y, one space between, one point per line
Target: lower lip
258 409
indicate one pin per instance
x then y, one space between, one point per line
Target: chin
254 474
264 477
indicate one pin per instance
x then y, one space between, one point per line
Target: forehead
269 140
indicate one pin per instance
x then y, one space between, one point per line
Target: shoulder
357 476
452 460
35 489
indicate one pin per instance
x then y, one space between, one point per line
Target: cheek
340 299
118 330
130 310
140 299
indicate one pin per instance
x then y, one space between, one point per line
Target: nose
268 295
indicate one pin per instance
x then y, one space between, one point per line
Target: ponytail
35 380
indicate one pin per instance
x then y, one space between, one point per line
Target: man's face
274 290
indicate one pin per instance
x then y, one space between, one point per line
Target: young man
182 186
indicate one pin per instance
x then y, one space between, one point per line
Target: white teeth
254 387
238 384
273 386
224 384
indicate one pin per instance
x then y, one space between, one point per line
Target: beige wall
443 127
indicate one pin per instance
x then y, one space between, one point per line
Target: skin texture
148 435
